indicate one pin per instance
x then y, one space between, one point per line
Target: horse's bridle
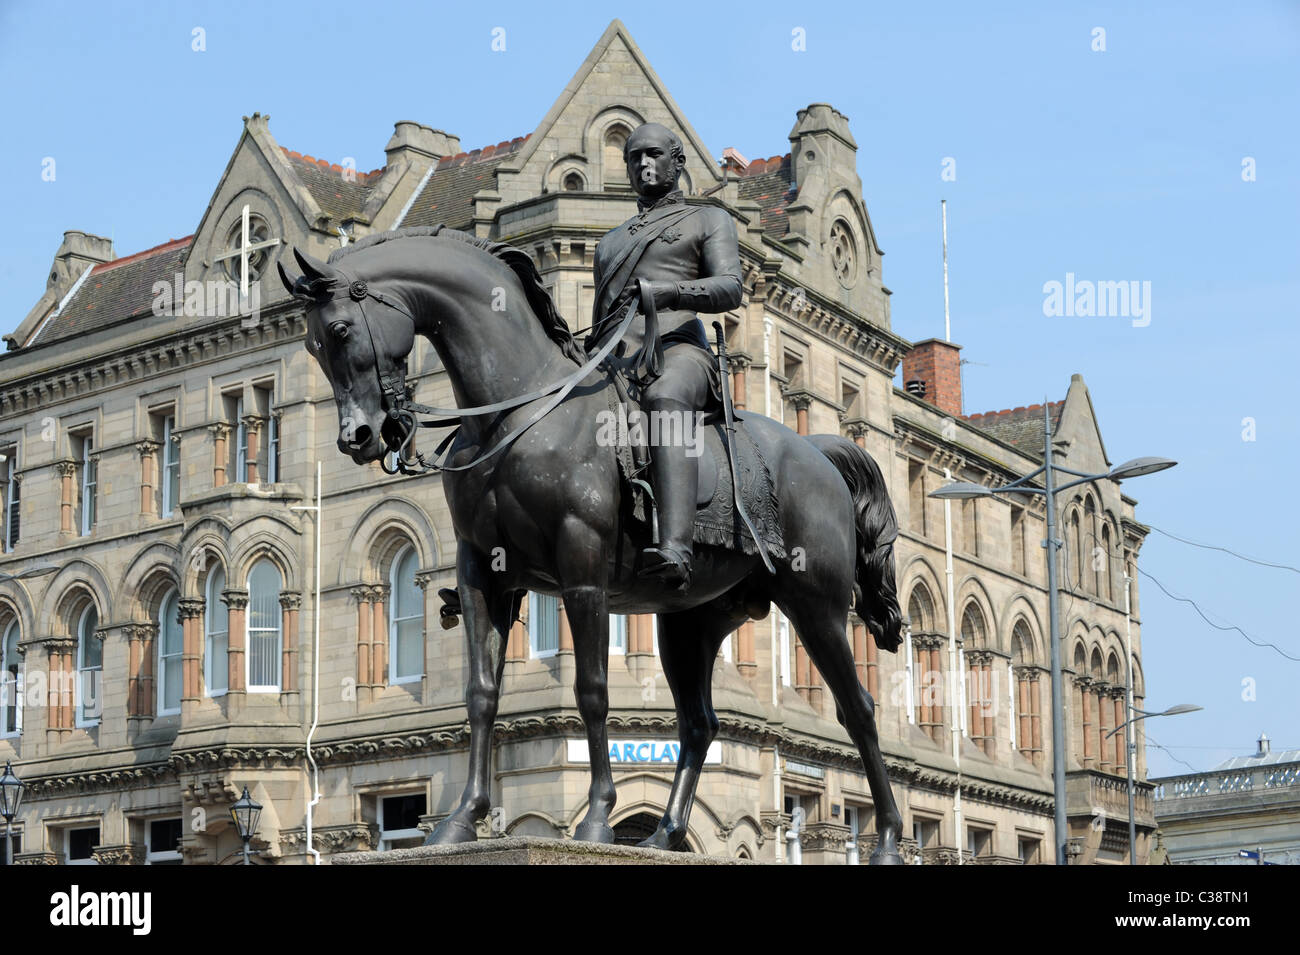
401 410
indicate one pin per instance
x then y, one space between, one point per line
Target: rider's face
650 166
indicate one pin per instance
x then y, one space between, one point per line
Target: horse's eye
340 329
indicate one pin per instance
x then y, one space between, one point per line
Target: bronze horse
554 502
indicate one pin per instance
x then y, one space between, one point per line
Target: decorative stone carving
126 854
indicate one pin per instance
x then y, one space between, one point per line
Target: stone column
60 651
802 401
739 364
237 602
220 435
873 664
290 602
365 689
1121 762
1105 712
1089 735
253 428
191 613
517 642
566 631
857 429
67 471
379 636
802 677
746 662
141 642
148 451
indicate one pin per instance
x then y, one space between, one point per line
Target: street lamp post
11 796
964 489
246 812
1142 715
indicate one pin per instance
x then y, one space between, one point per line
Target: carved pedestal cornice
126 854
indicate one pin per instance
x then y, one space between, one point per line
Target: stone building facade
163 438
1244 804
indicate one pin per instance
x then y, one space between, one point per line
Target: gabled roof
339 192
769 182
448 195
115 291
1022 428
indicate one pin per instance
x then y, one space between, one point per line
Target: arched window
979 678
1106 590
406 619
90 669
573 181
264 636
11 682
1088 567
1027 725
927 665
614 166
216 641
170 645
1076 551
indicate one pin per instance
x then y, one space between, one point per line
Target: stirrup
668 564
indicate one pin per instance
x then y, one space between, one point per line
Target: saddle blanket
717 521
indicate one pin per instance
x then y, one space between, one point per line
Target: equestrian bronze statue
620 524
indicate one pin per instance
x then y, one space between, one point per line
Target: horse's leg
688 646
485 611
820 621
589 620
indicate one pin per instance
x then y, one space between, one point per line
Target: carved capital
55 645
800 398
1026 672
290 600
979 657
147 449
219 430
140 631
235 599
66 468
362 594
191 607
380 591
423 578
253 422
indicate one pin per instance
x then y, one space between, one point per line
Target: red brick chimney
932 371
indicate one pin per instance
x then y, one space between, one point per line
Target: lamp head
1139 466
960 490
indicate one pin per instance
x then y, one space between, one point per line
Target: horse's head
360 336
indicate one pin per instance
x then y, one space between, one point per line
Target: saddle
717 521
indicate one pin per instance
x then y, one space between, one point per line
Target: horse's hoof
451 831
594 832
667 839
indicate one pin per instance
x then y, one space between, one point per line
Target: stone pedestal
530 850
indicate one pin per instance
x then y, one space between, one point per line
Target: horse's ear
312 268
284 277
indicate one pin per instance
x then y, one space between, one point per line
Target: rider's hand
665 294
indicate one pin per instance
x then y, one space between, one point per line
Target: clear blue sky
1116 165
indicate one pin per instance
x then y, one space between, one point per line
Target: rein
402 410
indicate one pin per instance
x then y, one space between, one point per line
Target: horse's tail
875 592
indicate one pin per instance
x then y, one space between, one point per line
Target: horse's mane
553 323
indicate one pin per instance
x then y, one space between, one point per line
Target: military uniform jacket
694 247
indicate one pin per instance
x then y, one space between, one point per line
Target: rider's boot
675 476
